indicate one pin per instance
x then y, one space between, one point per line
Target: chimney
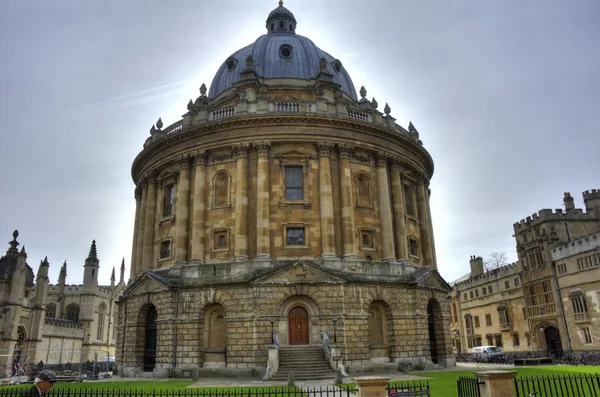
476 263
569 203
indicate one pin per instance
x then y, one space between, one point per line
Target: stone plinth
371 386
497 383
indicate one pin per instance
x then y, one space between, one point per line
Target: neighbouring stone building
487 309
56 324
281 209
556 306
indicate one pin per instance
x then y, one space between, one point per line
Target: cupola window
281 25
337 65
230 62
285 51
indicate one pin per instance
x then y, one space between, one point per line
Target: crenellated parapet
576 246
501 272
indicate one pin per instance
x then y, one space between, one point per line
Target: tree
495 260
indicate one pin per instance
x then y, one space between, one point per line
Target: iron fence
575 385
468 386
408 389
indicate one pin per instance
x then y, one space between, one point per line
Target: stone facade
56 324
281 199
551 294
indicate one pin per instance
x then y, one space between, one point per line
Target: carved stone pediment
298 273
144 284
433 280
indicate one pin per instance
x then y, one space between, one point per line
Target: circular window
285 51
230 62
337 65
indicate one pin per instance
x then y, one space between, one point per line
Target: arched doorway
298 326
553 342
150 340
435 326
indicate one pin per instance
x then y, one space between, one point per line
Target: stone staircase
306 362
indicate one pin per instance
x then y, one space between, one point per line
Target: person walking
42 383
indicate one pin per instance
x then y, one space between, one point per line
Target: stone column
348 232
139 267
134 244
241 202
433 255
424 222
262 202
199 210
326 202
399 209
385 208
182 211
149 224
496 383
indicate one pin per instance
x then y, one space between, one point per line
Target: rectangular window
524 313
168 200
471 294
515 338
477 293
488 320
413 247
489 338
562 268
470 342
597 259
503 314
477 341
366 239
587 335
221 239
165 249
498 340
465 295
295 236
517 281
579 305
580 263
507 284
476 318
483 291
409 201
294 183
490 289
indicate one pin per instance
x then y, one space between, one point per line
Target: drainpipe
562 307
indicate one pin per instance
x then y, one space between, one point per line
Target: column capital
241 149
200 157
383 158
423 178
345 150
324 148
150 176
262 148
184 161
398 164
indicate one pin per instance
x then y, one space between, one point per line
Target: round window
285 51
231 62
337 65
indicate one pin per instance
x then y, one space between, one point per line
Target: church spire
112 277
93 253
122 279
62 275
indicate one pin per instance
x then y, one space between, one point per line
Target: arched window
72 312
101 315
221 189
50 310
363 190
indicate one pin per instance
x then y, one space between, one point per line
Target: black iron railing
575 385
468 386
573 357
408 389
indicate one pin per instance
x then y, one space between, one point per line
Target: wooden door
298 326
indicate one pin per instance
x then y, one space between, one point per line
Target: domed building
282 215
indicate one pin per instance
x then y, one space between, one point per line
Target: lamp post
334 321
272 332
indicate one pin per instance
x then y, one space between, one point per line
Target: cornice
289 120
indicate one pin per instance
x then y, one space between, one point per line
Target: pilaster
134 244
399 209
326 201
348 229
262 201
139 267
385 209
424 221
199 210
241 202
182 210
149 224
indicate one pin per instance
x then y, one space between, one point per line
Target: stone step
306 362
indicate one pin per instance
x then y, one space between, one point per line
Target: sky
505 95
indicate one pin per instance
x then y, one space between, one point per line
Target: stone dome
280 53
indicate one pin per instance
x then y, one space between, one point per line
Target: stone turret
92 264
476 263
41 284
569 202
591 199
62 281
112 277
17 284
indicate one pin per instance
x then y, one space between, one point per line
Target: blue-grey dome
271 60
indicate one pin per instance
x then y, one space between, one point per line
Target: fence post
496 383
371 386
